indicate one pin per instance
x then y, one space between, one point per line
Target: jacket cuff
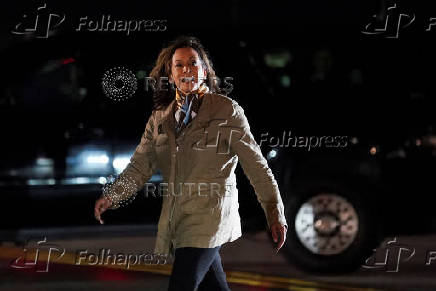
120 192
275 213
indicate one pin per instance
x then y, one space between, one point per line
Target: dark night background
303 66
370 85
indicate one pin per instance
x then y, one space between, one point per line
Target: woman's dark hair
162 69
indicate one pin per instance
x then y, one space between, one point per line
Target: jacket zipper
176 172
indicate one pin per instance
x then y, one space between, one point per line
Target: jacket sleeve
255 167
141 167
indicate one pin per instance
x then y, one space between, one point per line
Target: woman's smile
187 71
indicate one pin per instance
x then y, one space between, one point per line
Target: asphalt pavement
76 258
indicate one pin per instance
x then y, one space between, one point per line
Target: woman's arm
256 167
138 171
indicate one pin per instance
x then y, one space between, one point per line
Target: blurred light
50 66
354 140
102 180
44 168
373 150
397 154
97 159
418 142
77 181
83 91
141 74
82 180
120 163
44 162
285 81
88 161
272 154
156 178
432 141
277 59
68 61
39 182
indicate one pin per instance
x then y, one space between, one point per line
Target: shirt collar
180 97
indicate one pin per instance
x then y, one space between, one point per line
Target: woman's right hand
100 206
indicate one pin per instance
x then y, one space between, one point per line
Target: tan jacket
200 197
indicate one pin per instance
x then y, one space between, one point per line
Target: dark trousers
198 268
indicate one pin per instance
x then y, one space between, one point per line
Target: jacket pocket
229 201
200 204
199 198
210 197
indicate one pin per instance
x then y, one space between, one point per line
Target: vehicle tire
331 228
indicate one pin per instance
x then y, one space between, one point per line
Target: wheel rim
327 224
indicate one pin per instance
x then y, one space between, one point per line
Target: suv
339 205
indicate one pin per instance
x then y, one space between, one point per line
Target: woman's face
186 70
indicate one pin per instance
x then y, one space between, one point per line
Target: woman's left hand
278 232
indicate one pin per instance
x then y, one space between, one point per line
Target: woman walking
195 137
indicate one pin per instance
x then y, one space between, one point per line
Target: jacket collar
202 118
180 96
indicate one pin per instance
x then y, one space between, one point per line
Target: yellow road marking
246 278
